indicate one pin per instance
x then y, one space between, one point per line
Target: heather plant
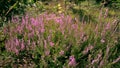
56 40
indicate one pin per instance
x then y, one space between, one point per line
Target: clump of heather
23 34
56 40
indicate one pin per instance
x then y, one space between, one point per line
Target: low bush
56 40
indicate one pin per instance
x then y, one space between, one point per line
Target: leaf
11 8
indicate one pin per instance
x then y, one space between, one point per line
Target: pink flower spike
51 44
107 26
72 61
42 30
102 40
28 42
22 46
17 42
61 52
47 52
16 51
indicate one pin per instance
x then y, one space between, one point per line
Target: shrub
55 40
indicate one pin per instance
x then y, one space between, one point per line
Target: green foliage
116 4
12 7
78 1
109 3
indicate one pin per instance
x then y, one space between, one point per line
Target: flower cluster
56 36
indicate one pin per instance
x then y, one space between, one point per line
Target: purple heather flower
72 61
17 42
106 13
107 26
42 30
102 41
34 43
34 22
59 20
87 49
75 27
49 38
15 19
23 21
19 29
22 45
68 19
47 52
16 51
52 44
61 52
97 59
29 27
